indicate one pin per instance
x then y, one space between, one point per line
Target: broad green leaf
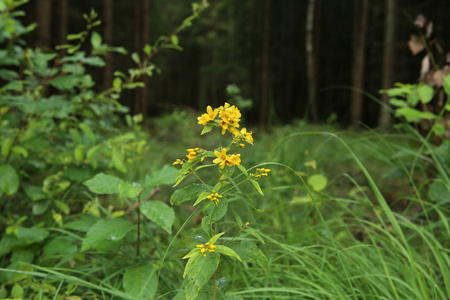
141 282
256 185
193 258
191 253
103 184
78 153
255 233
438 192
135 57
17 291
250 253
67 82
201 197
243 170
201 272
40 207
214 239
112 230
94 61
75 135
60 246
187 193
227 172
207 128
117 158
35 193
425 93
446 84
33 234
96 40
6 146
88 132
128 190
20 150
398 102
9 180
82 224
62 206
227 251
214 213
166 175
160 213
414 115
318 182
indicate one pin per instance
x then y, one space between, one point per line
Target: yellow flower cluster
261 172
243 135
206 247
224 159
214 197
229 117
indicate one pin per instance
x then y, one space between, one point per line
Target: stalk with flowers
212 198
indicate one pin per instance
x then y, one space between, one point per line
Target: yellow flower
179 162
222 158
234 159
192 154
230 117
209 116
243 135
261 172
214 197
205 247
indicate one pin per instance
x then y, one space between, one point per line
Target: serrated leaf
9 180
112 230
141 282
187 193
128 190
318 182
117 159
256 185
166 175
227 251
103 184
160 213
203 269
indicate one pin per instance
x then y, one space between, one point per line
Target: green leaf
9 180
94 61
425 93
135 57
187 193
103 184
78 153
174 39
140 282
17 291
117 159
243 170
414 115
166 175
256 185
250 253
398 102
67 82
214 239
201 272
208 127
438 192
193 258
201 197
255 233
32 235
96 40
6 146
227 251
318 182
227 172
88 132
40 207
35 193
20 150
446 84
160 213
214 213
112 230
129 190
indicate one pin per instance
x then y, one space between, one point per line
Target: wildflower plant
212 198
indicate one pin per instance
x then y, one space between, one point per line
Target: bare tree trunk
43 19
137 93
310 62
145 41
59 30
265 66
107 37
388 59
360 28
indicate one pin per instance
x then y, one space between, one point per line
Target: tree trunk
359 35
265 66
310 60
145 41
43 19
388 59
107 37
59 30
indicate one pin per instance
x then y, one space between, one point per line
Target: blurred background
293 58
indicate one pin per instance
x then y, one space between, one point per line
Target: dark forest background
293 58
